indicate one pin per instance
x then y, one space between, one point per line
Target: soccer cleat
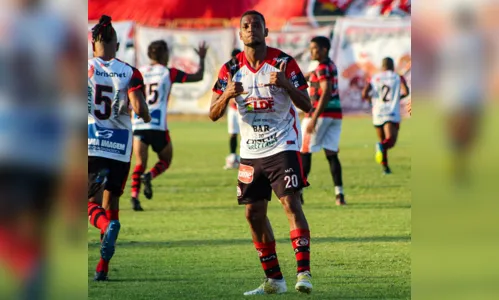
146 180
101 276
231 162
109 240
379 153
136 204
97 183
269 286
386 170
303 282
340 199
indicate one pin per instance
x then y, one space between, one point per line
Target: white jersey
386 97
158 81
268 120
463 70
109 124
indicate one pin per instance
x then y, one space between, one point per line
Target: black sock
306 159
335 168
233 143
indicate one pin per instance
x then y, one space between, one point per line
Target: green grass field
193 242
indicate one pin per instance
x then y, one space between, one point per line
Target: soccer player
158 80
385 91
112 86
232 160
267 84
322 126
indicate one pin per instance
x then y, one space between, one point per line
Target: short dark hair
156 49
253 12
322 42
103 31
388 63
235 52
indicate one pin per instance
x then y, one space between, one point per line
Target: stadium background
362 32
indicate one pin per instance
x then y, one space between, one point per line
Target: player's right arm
366 92
136 96
224 90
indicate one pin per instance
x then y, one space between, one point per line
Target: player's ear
266 32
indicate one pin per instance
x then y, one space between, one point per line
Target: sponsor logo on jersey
254 144
261 128
245 174
259 105
111 74
105 134
107 140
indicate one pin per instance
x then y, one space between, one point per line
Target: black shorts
281 172
26 190
158 139
117 176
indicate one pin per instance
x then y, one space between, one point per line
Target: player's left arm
198 76
291 79
404 88
326 87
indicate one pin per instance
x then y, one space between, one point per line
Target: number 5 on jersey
100 99
152 93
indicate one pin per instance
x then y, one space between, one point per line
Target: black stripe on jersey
233 66
283 57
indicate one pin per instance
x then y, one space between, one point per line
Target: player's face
252 31
315 51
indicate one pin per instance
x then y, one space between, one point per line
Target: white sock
338 190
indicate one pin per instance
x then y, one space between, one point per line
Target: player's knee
255 214
331 155
391 141
290 203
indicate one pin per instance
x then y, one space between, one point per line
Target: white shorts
232 121
326 136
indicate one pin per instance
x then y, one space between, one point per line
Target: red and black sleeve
323 72
136 82
177 76
222 79
294 73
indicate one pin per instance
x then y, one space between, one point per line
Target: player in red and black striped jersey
322 127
